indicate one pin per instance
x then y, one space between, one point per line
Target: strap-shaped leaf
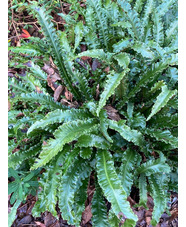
12 214
79 34
68 188
164 136
64 134
76 77
113 219
153 166
158 186
96 53
123 59
53 42
126 132
99 209
104 125
126 170
162 100
143 190
93 140
58 116
42 99
101 20
111 84
111 185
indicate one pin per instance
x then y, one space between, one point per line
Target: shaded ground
24 217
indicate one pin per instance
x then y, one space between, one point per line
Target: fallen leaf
68 95
148 220
9 105
112 113
95 64
107 69
25 34
86 58
86 215
58 92
49 220
40 224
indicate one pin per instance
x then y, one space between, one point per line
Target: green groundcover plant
60 147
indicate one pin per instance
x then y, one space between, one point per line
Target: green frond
164 7
164 136
162 100
93 140
86 152
66 133
68 187
41 99
96 53
104 125
12 214
149 76
132 17
143 190
53 42
152 167
123 44
126 132
101 21
28 49
79 34
111 185
113 219
129 160
18 86
99 210
158 30
76 77
37 72
158 186
22 155
111 84
59 116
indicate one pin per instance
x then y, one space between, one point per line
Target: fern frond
104 125
96 53
59 116
132 17
99 209
68 187
28 49
77 78
111 185
111 84
64 134
126 132
79 34
162 100
164 136
152 167
36 70
18 85
143 190
12 214
158 187
101 21
93 140
126 175
42 99
53 41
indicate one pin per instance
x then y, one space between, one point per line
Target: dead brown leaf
9 105
49 219
112 113
68 95
40 224
86 58
58 92
86 215
148 220
107 69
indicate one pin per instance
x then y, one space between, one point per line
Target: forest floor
22 20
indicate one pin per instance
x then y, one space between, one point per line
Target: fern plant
136 41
